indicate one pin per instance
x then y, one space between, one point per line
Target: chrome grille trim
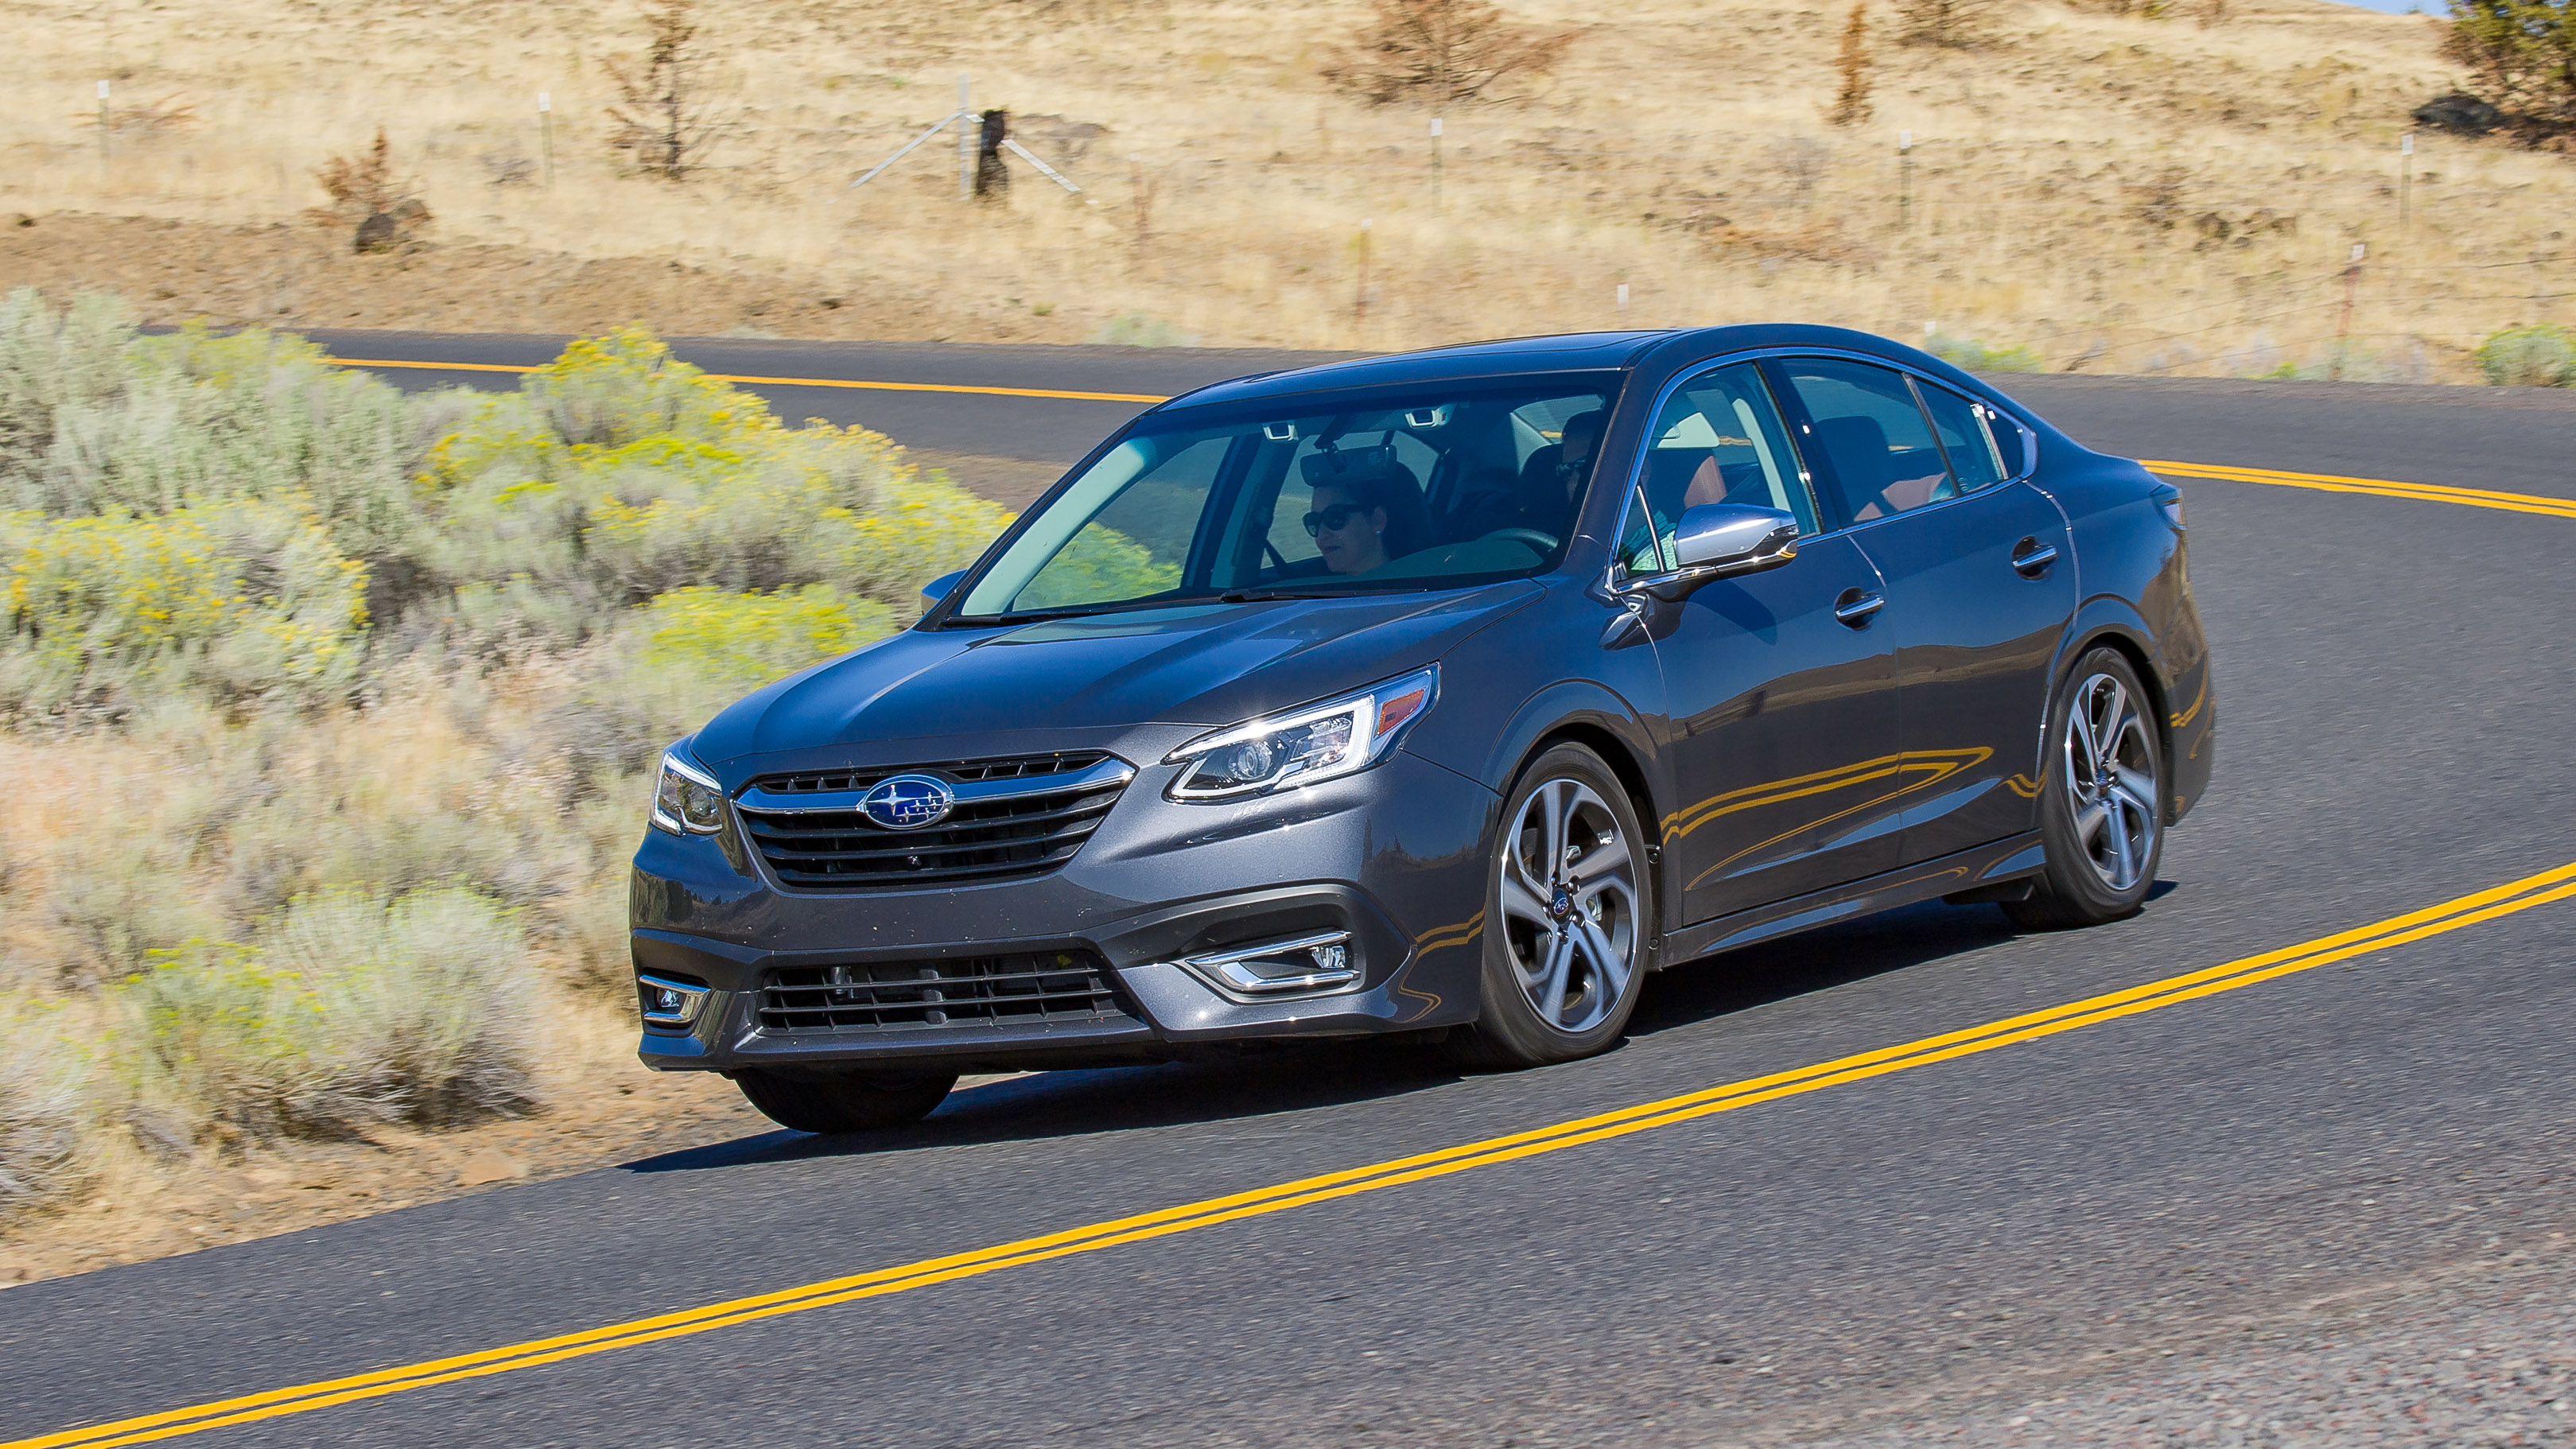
1012 817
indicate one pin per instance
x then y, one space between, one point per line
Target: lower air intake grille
965 991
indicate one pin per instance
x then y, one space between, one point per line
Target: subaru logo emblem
908 802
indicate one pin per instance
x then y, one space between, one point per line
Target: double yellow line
2452 915
2385 488
1128 397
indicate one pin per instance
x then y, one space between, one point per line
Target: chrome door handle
2032 558
1854 608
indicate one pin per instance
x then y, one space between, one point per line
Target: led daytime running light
1302 747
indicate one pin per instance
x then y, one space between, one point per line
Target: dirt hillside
2174 189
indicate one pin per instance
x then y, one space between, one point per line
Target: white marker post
1435 161
102 123
1623 296
965 143
546 135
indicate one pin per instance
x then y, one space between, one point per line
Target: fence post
2405 186
546 135
2343 325
992 179
1359 299
1904 180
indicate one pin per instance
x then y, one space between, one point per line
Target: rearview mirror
937 589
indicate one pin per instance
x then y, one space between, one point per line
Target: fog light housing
670 1004
1312 965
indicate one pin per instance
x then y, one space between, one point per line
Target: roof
1564 352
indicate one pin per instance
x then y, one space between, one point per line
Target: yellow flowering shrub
250 598
738 642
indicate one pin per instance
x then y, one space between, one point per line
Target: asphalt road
1914 1247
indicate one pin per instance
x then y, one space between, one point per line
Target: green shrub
41 1079
347 1011
1141 329
2540 356
742 641
1972 355
246 598
619 473
97 419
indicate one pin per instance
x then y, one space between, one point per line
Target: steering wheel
1544 543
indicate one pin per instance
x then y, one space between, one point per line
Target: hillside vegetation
331 712
2132 187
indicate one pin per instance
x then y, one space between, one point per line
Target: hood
1197 664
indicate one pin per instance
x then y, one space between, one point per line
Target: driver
1365 517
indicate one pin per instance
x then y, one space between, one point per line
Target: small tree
663 122
2522 54
1950 24
1851 99
381 207
1441 52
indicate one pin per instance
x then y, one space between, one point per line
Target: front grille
1033 829
969 991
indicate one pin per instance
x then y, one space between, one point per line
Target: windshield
1460 484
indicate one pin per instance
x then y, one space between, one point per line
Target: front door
1980 586
1781 710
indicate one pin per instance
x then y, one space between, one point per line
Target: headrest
1857 438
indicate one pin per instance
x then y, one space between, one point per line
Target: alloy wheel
2111 785
1569 905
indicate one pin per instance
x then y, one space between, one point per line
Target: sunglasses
1336 518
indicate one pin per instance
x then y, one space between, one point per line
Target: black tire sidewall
1508 1030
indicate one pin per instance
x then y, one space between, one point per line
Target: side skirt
2013 858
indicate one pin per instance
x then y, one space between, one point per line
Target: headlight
1320 742
688 801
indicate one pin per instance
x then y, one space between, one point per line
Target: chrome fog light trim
670 1004
1299 966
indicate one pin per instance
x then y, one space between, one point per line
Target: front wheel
1569 910
830 1106
2101 808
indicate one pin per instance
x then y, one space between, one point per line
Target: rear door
1981 584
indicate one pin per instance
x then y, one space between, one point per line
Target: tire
1565 948
831 1106
2102 801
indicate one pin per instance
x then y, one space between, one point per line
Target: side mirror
937 589
1722 540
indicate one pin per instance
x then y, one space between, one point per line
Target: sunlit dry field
2118 194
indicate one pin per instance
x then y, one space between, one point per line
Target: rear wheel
855 1102
2101 808
1569 906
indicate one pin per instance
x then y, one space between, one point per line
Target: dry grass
2119 193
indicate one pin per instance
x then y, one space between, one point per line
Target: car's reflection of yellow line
1931 766
2384 487
2451 915
748 381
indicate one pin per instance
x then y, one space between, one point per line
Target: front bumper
1393 857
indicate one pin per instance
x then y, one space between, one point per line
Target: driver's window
1718 439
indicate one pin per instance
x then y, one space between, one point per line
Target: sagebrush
332 707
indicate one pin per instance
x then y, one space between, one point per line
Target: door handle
2031 558
1854 609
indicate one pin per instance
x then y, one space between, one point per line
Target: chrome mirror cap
1734 538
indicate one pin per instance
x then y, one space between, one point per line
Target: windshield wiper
1264 596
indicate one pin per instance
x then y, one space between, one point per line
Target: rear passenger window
1955 421
1876 454
1719 439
